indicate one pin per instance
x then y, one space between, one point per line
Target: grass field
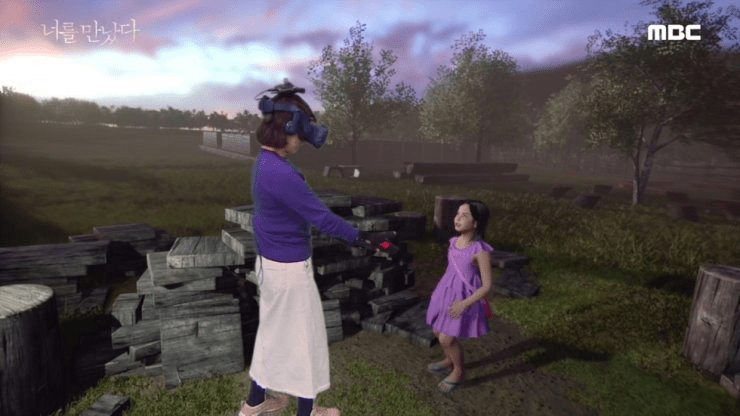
616 281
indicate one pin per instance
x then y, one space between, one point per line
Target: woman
291 352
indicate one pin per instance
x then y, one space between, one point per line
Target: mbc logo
675 32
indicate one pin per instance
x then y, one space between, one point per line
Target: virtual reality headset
301 123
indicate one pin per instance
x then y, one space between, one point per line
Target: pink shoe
324 411
270 405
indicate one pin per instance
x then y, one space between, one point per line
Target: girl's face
464 221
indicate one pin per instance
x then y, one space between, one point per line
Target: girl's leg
453 350
447 362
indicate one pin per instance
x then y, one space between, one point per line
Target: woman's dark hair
271 131
480 214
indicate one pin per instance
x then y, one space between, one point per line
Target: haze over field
216 55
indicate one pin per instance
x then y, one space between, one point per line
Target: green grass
616 282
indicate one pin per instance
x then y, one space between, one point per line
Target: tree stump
445 209
32 378
712 337
587 201
558 192
414 224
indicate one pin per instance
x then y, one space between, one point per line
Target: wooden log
108 405
558 192
411 324
587 201
126 309
425 168
141 333
206 251
712 337
32 378
163 275
438 179
445 210
683 212
412 224
394 301
368 206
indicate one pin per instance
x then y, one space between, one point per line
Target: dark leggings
257 396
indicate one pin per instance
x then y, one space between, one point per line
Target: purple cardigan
284 205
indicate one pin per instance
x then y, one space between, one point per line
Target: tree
17 107
478 97
643 89
352 88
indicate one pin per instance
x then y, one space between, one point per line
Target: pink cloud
165 11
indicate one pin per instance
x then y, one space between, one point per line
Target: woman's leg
453 350
256 394
305 406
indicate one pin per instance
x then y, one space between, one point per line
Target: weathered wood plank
367 206
241 241
108 405
207 251
51 254
340 264
168 299
394 301
388 277
209 307
508 260
333 198
332 318
126 232
411 324
334 334
369 223
120 364
141 333
241 215
83 238
433 179
338 291
141 351
127 308
164 275
425 168
152 370
376 322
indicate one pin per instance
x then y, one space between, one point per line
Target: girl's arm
484 264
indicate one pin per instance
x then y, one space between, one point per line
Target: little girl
457 307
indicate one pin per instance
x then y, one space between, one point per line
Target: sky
216 55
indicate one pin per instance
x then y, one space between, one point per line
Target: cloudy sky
215 55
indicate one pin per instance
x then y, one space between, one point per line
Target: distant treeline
17 107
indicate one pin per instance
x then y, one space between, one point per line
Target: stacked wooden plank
59 266
185 321
447 172
358 288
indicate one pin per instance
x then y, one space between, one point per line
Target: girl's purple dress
473 322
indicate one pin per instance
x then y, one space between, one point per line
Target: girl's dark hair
480 214
271 131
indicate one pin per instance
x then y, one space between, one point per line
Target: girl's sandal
439 369
447 386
